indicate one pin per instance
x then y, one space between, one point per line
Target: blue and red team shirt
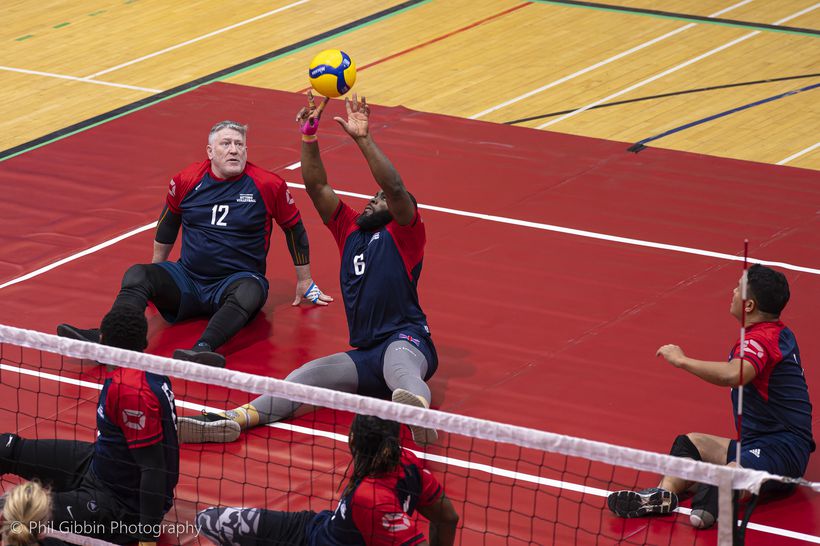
380 510
379 276
777 399
136 409
227 223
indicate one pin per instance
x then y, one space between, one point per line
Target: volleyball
332 73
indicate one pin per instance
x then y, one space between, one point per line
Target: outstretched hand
309 291
309 116
672 354
358 114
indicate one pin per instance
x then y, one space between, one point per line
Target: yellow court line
693 60
198 39
602 63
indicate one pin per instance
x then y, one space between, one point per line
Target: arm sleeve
168 226
174 197
137 412
298 244
342 222
410 240
285 211
382 521
431 489
151 461
755 351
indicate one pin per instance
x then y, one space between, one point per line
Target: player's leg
404 368
237 305
229 526
337 372
140 283
58 464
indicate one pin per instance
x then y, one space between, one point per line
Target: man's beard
372 222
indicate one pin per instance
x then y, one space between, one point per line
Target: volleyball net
509 484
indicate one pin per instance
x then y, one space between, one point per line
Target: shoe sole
194 431
207 358
70 332
421 435
631 504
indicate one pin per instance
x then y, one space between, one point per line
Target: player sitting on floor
127 476
226 206
388 485
381 250
776 434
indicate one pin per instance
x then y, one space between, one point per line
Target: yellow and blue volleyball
332 73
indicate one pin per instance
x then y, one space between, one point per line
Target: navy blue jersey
379 276
136 409
777 399
226 224
379 510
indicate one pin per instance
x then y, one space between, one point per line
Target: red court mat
523 317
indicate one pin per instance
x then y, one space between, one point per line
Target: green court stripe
684 17
61 25
216 76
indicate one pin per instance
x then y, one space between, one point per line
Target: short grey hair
228 124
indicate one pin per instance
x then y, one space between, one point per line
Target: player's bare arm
722 374
357 125
313 170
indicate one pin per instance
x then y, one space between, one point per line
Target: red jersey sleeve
410 240
381 520
136 411
182 182
758 350
342 223
278 200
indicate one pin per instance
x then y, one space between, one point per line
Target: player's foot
209 358
704 506
72 332
421 435
635 504
701 519
205 428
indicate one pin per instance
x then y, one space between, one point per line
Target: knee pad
136 276
683 447
247 294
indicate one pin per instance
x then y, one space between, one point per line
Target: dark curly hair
769 288
374 444
125 327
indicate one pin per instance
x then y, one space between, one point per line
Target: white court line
798 154
76 79
456 212
602 63
200 38
449 461
700 57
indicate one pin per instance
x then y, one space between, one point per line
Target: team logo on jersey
172 188
755 452
134 419
752 346
396 521
290 197
246 198
92 506
101 411
374 238
414 340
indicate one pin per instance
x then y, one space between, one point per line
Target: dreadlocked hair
26 508
125 327
374 444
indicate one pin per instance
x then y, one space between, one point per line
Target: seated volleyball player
382 250
388 484
776 434
127 476
226 206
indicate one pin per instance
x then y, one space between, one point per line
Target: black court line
153 99
663 95
685 17
641 144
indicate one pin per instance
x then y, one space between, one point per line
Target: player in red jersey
387 486
227 207
776 435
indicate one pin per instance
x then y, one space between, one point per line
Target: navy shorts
370 361
201 297
779 453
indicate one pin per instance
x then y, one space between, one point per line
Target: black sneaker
72 332
635 504
209 358
205 428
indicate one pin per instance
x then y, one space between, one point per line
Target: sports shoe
72 332
209 358
205 428
635 504
704 506
701 519
421 435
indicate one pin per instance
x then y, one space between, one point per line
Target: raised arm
722 374
313 170
399 202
